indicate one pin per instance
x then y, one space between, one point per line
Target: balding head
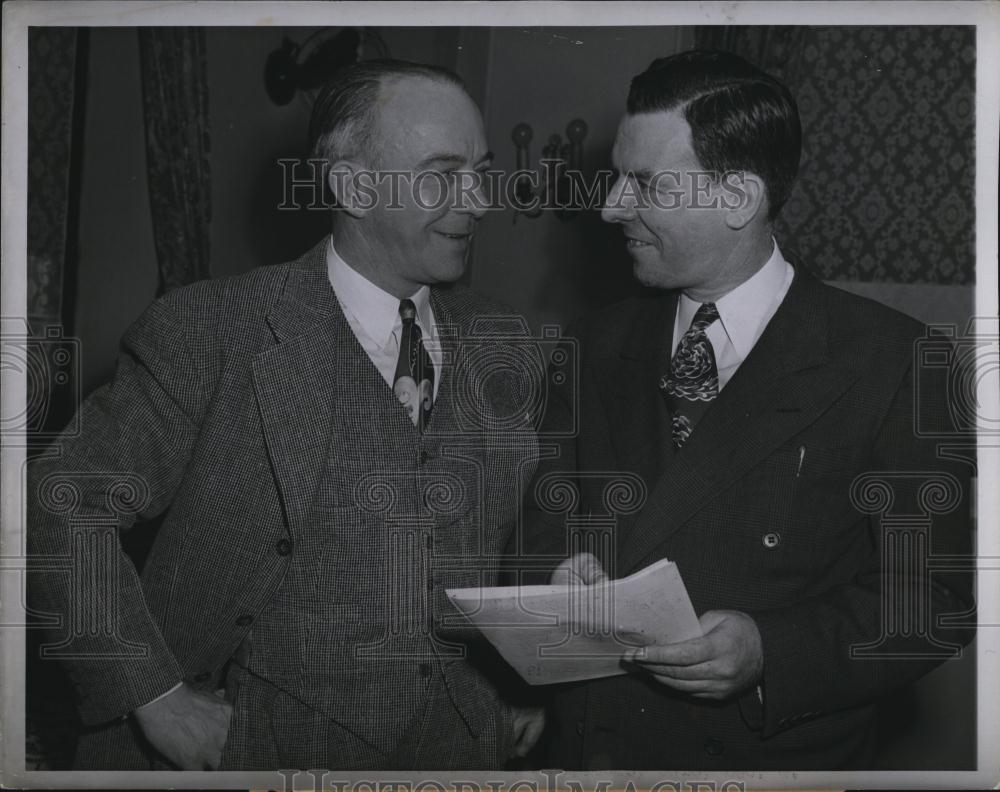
345 116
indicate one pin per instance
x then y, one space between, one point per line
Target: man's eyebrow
441 159
451 159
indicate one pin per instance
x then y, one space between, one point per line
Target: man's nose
618 207
471 196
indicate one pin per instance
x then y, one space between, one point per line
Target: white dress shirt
743 314
373 315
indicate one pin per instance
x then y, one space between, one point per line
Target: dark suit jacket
233 403
757 512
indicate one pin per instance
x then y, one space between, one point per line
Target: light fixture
557 188
293 67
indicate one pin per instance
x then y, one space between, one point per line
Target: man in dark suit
331 450
759 416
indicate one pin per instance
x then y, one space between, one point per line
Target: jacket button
579 727
771 540
204 676
244 621
283 546
425 670
424 456
714 747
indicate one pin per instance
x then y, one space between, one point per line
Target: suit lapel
788 380
314 383
448 334
639 414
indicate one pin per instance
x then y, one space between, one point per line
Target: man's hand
583 569
529 722
727 660
189 728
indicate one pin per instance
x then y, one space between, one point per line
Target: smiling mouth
461 237
635 244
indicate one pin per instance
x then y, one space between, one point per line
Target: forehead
647 141
420 117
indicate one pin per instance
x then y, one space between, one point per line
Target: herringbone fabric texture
245 411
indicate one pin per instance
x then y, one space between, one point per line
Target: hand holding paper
724 662
582 569
564 633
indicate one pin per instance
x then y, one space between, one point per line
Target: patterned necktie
414 380
693 381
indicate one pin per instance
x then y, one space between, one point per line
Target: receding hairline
385 83
388 81
371 86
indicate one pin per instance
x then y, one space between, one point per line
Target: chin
449 272
651 276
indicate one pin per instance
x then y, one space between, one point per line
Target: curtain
886 188
57 65
57 61
52 60
175 107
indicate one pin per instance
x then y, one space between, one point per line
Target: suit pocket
826 460
822 481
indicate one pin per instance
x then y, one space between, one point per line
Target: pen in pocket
802 456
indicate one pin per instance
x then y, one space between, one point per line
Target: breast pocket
822 479
817 461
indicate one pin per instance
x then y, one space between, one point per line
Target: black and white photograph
500 395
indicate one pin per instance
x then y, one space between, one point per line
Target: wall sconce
557 187
293 67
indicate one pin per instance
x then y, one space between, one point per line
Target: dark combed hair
741 118
344 120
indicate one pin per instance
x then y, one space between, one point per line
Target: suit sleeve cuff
161 696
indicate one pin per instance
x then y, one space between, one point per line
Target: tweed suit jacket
234 403
757 512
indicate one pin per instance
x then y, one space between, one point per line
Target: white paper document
567 633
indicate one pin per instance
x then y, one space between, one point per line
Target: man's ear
744 196
352 187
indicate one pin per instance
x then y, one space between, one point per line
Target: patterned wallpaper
886 189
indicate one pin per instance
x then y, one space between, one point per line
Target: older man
773 422
329 456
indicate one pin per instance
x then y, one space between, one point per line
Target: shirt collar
745 310
373 309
